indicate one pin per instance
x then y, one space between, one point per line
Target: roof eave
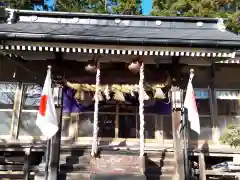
122 41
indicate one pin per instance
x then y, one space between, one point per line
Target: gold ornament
118 96
159 94
106 92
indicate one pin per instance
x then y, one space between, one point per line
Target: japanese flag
191 106
47 117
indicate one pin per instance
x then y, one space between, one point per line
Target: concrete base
39 176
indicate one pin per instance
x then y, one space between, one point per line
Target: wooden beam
177 138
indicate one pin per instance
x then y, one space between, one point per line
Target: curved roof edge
122 41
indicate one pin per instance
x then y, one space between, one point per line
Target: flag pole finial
191 73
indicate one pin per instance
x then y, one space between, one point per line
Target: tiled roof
89 28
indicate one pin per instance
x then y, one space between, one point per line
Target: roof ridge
112 16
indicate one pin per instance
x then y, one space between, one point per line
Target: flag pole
48 150
185 133
47 123
55 152
46 159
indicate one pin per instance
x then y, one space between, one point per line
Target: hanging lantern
134 66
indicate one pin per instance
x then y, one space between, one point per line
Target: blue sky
146 6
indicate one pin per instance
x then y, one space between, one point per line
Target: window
228 106
85 125
204 111
149 126
127 126
128 123
106 118
30 104
228 102
7 96
167 127
205 130
107 125
202 101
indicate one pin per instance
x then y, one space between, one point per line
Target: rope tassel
95 119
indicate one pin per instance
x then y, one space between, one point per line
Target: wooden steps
160 165
14 165
78 164
121 164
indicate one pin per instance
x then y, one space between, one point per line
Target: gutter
120 41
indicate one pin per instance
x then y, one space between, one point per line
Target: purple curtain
70 105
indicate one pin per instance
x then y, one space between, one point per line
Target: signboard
201 94
225 94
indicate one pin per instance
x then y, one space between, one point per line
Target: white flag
47 116
191 106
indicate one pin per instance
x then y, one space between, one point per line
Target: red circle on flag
43 105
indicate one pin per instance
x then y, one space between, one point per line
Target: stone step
73 167
158 177
162 155
117 163
74 176
66 176
118 177
160 170
88 176
13 175
153 157
160 162
75 159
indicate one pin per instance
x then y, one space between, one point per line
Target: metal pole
46 158
185 145
55 148
26 166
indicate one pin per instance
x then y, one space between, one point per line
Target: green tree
19 4
131 7
91 6
100 6
201 8
231 136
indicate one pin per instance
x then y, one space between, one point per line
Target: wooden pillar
16 111
201 162
177 103
213 105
